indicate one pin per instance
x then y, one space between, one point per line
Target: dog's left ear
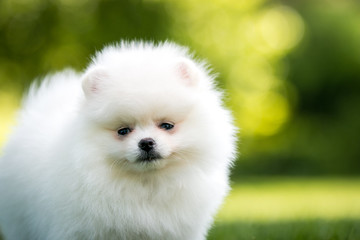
94 81
187 72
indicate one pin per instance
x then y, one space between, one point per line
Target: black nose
147 144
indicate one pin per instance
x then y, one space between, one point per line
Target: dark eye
124 131
166 126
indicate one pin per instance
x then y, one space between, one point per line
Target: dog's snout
147 144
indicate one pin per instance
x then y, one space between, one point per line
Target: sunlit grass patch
291 198
291 208
345 229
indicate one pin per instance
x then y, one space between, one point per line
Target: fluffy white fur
66 173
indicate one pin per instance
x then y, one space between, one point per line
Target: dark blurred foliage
322 72
323 135
44 36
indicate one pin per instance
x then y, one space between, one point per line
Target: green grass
290 208
348 229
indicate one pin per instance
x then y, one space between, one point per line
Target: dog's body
137 147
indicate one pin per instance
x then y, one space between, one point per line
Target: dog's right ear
93 81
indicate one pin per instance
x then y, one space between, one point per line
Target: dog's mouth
149 156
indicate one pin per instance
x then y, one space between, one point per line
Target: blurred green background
291 70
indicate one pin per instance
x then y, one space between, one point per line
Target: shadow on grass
346 229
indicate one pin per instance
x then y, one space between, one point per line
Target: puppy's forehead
154 103
151 77
153 87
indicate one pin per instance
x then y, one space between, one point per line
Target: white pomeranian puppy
137 147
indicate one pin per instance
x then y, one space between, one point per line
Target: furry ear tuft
92 82
186 71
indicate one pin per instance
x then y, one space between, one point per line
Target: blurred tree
41 36
322 137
